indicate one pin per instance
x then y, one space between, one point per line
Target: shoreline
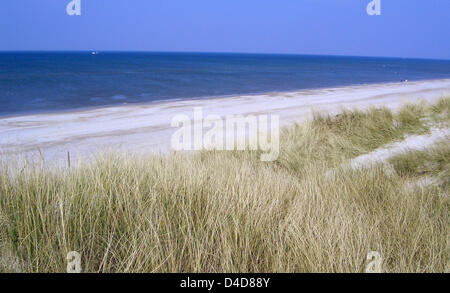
146 127
207 97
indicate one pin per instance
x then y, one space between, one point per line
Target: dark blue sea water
42 82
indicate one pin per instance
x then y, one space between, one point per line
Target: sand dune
411 143
145 128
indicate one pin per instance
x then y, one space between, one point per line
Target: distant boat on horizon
94 52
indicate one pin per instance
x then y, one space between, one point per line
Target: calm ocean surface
44 82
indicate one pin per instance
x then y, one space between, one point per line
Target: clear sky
406 28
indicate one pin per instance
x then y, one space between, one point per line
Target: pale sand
146 128
411 143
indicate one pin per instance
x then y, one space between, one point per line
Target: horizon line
218 52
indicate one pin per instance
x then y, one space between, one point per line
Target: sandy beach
146 128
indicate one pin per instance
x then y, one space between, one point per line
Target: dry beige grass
230 212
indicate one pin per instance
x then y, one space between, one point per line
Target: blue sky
406 28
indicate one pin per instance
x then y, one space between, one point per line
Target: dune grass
433 162
334 139
229 212
441 110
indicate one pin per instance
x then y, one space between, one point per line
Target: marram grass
230 212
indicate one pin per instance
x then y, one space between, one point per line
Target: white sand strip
411 143
146 128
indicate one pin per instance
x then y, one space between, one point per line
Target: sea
41 82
